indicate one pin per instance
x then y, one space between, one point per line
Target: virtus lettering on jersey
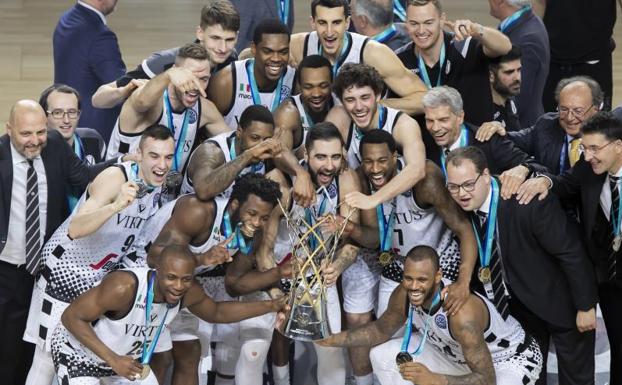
130 222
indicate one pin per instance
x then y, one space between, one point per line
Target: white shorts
360 283
43 316
513 371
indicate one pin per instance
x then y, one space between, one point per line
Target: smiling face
331 25
218 42
66 103
27 130
378 163
156 157
271 55
424 24
575 106
315 88
602 153
201 69
421 281
253 214
466 175
361 103
443 124
325 158
174 277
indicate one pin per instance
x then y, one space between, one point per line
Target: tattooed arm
377 332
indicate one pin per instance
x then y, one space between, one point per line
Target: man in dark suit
593 185
555 138
532 266
447 130
36 168
526 30
87 55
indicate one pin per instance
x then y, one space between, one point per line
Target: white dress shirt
97 11
14 251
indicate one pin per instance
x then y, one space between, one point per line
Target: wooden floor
143 26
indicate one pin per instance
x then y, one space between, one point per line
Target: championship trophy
307 318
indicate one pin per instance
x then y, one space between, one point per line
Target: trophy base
305 323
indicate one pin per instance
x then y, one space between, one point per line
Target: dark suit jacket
63 170
500 152
544 260
252 13
544 141
87 55
530 35
581 187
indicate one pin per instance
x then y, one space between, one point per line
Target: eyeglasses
578 112
467 186
59 113
592 150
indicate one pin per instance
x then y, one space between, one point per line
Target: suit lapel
6 174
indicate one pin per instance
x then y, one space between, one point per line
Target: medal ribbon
382 120
256 95
423 72
618 216
238 242
256 167
179 143
486 254
399 10
282 7
511 20
149 348
385 35
136 178
464 141
313 241
409 328
78 148
339 59
563 156
385 227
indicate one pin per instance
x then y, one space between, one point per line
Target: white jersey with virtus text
242 91
388 119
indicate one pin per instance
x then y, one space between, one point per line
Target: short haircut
422 253
605 123
421 3
191 51
472 153
177 251
157 132
378 136
322 131
270 27
257 184
315 61
220 12
357 75
255 113
58 87
518 3
378 12
597 92
443 96
330 4
515 53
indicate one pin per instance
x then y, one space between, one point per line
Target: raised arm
494 42
212 119
220 90
109 95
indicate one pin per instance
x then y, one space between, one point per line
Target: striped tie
33 236
615 206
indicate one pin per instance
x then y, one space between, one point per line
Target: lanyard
409 327
398 10
238 242
382 120
344 49
148 348
511 20
282 7
256 167
256 95
385 35
385 226
563 156
423 72
618 216
313 241
486 254
179 143
78 147
464 141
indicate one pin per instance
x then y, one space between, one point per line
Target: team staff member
505 83
374 18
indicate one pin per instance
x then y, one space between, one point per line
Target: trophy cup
307 318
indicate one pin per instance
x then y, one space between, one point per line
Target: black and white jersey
352 52
507 115
355 134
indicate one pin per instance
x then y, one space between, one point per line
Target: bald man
36 167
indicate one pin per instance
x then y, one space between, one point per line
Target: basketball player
330 38
264 79
172 99
84 354
95 238
296 114
473 346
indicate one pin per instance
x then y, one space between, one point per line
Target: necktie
500 300
573 153
33 237
615 206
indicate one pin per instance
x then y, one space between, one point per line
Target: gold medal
145 373
484 275
385 258
617 242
